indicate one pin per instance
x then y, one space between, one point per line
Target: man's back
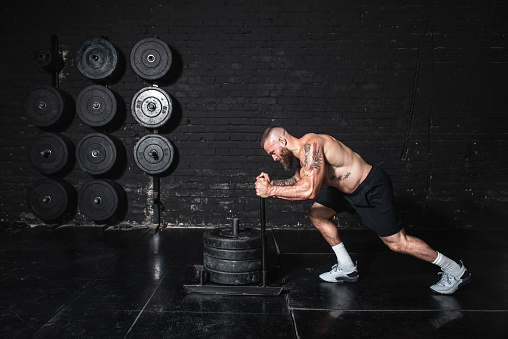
344 169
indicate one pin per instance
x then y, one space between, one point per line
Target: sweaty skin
323 160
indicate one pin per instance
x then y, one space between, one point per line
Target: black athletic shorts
372 200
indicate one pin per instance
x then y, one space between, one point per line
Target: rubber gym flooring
79 282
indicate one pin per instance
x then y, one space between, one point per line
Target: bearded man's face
286 159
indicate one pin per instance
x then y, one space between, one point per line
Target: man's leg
345 270
454 274
403 243
321 216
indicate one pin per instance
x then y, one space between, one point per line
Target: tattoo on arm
312 158
286 182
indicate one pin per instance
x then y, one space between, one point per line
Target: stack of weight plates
233 260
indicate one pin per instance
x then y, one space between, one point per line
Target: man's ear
283 141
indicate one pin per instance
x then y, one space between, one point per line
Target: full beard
286 159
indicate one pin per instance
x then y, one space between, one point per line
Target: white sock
447 264
343 257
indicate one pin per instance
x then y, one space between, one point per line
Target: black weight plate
151 107
45 106
151 58
96 58
50 199
50 153
99 200
228 278
47 59
43 57
223 238
232 266
96 105
229 254
96 153
153 154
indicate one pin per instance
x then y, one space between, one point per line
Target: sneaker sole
350 280
464 281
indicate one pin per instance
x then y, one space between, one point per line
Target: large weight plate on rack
46 106
153 154
97 153
151 107
50 153
96 105
96 58
151 58
99 200
223 238
50 199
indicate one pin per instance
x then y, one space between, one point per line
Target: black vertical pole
156 200
263 237
54 50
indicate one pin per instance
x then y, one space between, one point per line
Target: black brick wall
417 87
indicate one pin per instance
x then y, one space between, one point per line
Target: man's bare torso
344 169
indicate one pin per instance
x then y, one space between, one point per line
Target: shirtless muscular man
353 186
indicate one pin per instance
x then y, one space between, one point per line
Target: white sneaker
338 274
450 283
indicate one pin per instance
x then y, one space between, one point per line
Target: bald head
272 134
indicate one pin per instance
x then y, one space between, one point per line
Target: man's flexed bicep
313 165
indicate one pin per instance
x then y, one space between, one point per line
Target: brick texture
416 87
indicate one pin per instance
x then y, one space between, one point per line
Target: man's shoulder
314 138
310 137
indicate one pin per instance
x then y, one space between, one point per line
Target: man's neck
294 146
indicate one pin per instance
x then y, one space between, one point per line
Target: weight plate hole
46 153
153 154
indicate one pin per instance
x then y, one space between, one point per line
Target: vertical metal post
156 200
157 196
236 227
263 237
54 50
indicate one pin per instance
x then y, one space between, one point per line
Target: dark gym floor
93 283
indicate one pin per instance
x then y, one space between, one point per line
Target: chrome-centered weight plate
151 107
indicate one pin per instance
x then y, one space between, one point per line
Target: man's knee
397 242
319 213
